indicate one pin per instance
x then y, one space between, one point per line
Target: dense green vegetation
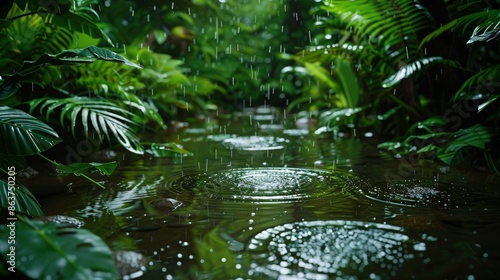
423 74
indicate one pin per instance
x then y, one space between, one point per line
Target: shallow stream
263 198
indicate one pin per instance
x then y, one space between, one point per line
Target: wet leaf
414 68
23 134
473 137
25 201
106 168
46 251
167 150
349 81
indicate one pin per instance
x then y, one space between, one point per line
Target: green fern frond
468 24
483 83
488 30
391 26
104 117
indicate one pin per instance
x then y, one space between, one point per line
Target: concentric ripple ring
334 248
275 185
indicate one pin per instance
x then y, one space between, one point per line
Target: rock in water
166 204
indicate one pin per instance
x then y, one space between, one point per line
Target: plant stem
76 173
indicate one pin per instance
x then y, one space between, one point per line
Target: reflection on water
286 203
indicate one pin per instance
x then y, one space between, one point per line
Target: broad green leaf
349 81
44 251
79 23
320 73
23 134
106 168
167 150
24 201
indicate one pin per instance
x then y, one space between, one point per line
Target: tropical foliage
384 65
72 252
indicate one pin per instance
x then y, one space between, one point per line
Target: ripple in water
265 184
420 193
322 249
255 143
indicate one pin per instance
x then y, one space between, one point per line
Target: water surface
264 199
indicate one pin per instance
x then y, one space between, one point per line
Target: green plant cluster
424 73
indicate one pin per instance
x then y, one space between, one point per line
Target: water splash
255 143
421 193
264 185
325 249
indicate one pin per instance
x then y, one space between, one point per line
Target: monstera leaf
44 251
23 134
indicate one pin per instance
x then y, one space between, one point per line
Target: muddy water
264 199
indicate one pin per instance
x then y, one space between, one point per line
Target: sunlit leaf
70 253
24 201
23 134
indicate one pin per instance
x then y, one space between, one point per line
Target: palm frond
471 23
483 83
26 202
414 68
475 137
23 134
486 31
104 117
